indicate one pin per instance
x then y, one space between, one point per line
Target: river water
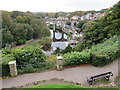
60 44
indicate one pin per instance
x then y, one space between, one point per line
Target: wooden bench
96 77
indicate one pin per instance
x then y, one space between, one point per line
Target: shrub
106 52
5 67
76 58
29 59
20 41
27 69
100 60
99 55
57 51
28 55
45 40
79 47
52 58
6 51
67 49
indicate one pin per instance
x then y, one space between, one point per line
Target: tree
23 26
81 23
19 19
14 14
6 19
20 33
7 37
40 28
30 31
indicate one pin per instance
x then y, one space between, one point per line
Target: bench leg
90 82
107 78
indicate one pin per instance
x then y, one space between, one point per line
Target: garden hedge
5 67
76 58
99 55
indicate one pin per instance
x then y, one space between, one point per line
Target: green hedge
106 52
98 55
35 67
29 59
28 55
76 58
5 67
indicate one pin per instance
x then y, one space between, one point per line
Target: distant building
91 16
62 18
83 17
75 17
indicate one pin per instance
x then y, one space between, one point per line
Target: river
60 44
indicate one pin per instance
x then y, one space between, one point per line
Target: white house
75 17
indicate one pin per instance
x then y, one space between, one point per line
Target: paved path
77 74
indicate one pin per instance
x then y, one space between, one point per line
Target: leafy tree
20 32
7 37
14 14
40 29
81 23
19 19
6 19
23 26
30 31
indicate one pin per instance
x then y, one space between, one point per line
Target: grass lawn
57 85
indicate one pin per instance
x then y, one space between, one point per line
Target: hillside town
88 16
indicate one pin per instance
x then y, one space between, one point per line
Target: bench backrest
104 74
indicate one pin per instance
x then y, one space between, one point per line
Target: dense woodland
18 27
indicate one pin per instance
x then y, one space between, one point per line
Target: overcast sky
55 5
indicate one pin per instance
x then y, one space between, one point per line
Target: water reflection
60 44
58 35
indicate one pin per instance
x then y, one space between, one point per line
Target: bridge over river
64 30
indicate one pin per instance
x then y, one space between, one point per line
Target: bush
99 55
45 40
6 51
79 47
5 67
100 60
30 59
76 58
27 69
106 52
57 51
28 55
67 49
52 58
20 41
